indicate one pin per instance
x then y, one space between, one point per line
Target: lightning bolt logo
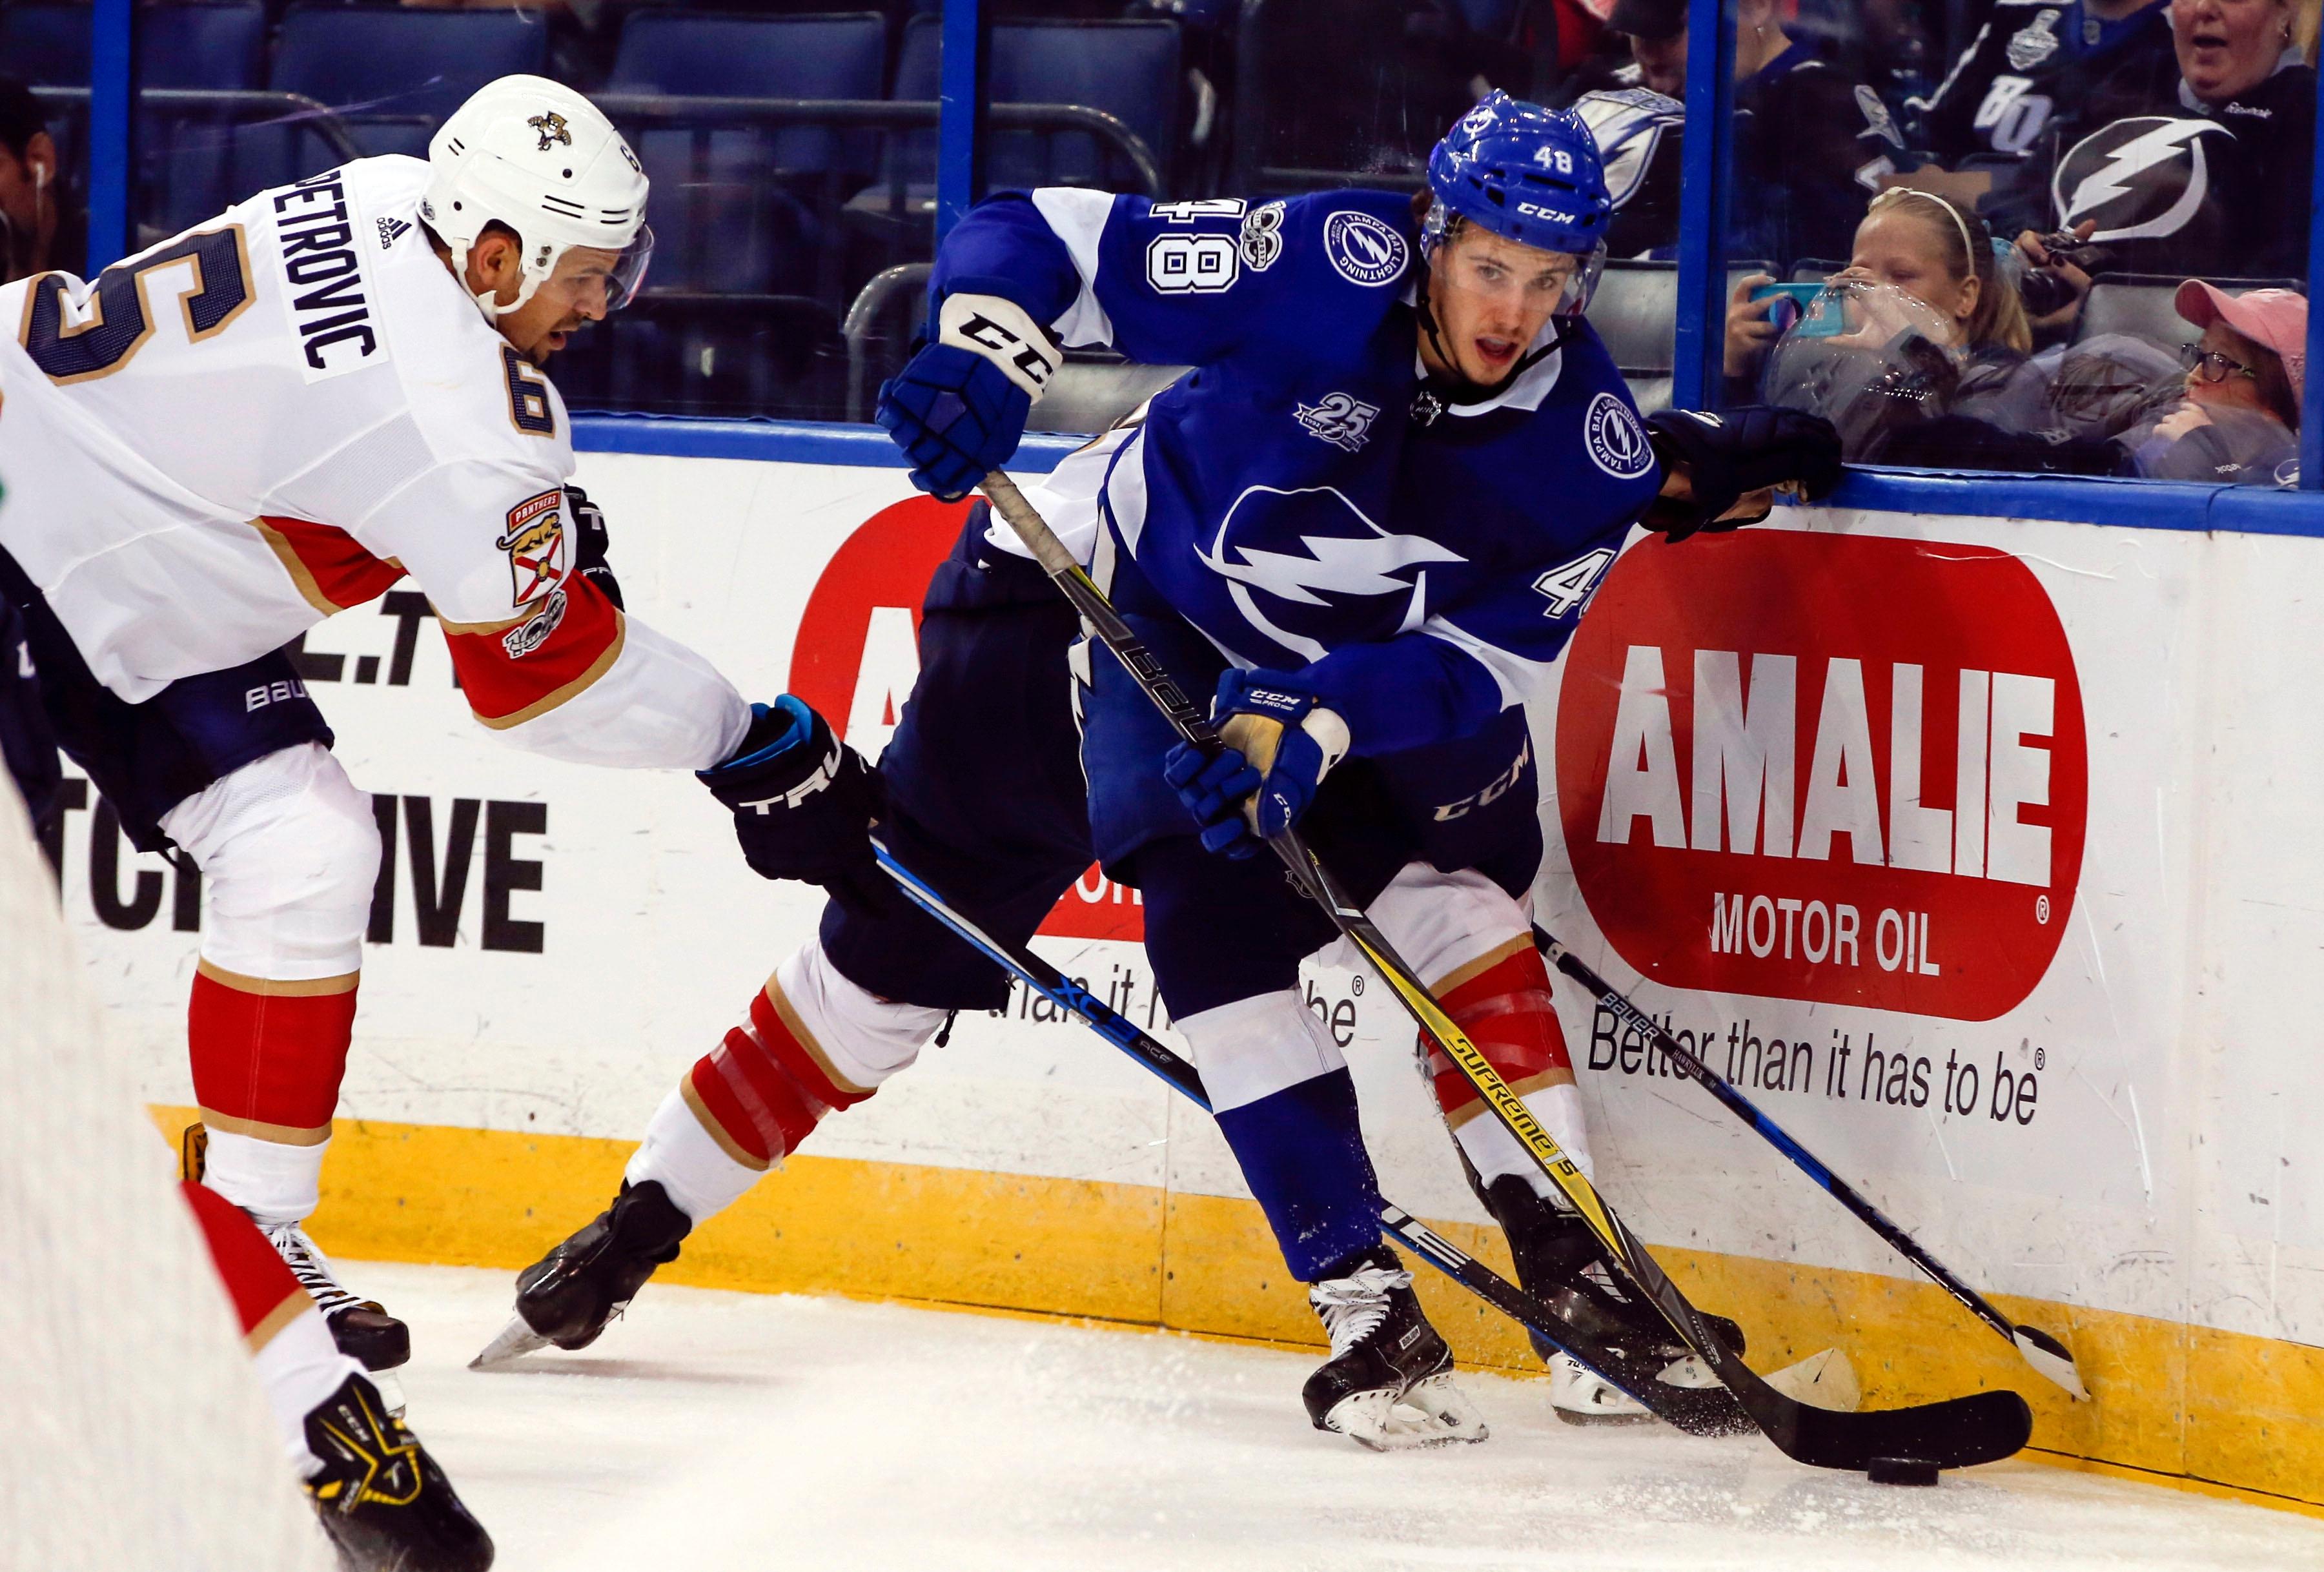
1347 565
2118 177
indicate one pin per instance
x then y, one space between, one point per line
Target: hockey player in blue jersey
1442 408
1370 516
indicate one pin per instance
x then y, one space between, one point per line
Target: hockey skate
363 1330
1388 1385
1560 1263
567 1296
383 1501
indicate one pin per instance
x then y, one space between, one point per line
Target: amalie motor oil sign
1829 768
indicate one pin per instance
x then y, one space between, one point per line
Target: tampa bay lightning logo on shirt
1309 559
1617 441
1363 249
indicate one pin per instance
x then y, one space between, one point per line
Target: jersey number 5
121 318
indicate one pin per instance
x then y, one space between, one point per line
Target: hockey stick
2047 1356
1696 1410
1953 1433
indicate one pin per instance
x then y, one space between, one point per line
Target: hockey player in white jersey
274 416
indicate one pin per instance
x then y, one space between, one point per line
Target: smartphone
1805 303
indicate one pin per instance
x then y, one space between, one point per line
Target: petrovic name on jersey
330 303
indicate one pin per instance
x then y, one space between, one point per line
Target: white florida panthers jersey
279 414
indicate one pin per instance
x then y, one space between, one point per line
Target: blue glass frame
1701 327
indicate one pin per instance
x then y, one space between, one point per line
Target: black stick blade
1961 1432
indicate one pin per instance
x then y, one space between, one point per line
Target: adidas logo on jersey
392 230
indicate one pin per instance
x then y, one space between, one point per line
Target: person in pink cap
2239 419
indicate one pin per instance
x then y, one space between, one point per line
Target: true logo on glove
824 773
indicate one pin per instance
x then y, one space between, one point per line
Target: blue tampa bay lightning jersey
1304 497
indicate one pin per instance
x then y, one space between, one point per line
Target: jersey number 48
1568 587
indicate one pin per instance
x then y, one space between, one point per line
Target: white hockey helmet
541 159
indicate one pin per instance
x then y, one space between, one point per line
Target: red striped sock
763 1088
265 1295
1507 1012
268 1056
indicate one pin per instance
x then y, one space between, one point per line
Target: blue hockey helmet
1526 173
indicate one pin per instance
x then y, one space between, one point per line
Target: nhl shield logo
1363 250
1617 441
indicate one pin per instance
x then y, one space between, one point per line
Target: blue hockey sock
1301 1152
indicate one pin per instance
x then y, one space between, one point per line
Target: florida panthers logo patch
1617 441
535 544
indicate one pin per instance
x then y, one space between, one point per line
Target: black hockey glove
1731 454
804 803
590 540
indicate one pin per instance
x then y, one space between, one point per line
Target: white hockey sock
688 1163
274 1182
1493 1152
301 1367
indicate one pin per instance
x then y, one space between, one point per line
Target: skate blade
1379 1421
390 1390
513 1344
1821 1381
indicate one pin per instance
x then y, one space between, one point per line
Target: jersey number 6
121 318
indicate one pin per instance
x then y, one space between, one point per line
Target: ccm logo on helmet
1841 769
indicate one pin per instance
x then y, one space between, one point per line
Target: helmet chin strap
492 309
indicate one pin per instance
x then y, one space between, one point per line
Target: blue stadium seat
402 71
839 56
1128 69
178 46
723 219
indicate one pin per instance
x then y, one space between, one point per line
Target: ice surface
711 1431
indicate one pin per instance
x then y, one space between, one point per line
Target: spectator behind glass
2196 162
1934 337
1979 132
1804 128
40 226
2239 419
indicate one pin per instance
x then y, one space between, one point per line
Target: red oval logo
857 655
1844 768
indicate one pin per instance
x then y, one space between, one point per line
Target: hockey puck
1902 1471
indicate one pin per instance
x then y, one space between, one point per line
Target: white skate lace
1353 1307
309 1265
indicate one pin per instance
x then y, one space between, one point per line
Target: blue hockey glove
1274 728
804 803
956 416
1214 787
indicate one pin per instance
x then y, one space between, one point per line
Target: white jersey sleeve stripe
1078 218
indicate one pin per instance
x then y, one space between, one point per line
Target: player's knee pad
814 1042
1255 1048
288 849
